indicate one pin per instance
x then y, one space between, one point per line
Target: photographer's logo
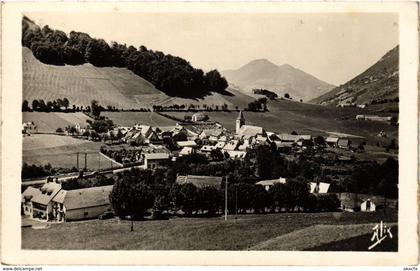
380 233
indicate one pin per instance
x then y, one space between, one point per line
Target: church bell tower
240 120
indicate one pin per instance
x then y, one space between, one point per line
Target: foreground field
61 151
247 232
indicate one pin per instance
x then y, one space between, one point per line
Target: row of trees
35 171
257 105
171 74
49 106
269 94
137 191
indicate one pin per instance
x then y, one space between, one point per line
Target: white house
319 187
27 196
368 206
42 202
81 204
155 160
199 117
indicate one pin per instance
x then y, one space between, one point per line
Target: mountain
115 86
378 84
262 73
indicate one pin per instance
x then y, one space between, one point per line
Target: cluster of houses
52 203
207 137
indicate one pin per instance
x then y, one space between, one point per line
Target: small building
288 138
183 144
79 204
368 206
343 143
200 181
197 117
319 187
267 184
236 154
331 141
42 202
155 160
27 196
186 151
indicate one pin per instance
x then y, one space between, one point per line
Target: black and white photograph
210 131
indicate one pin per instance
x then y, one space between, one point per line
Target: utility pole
226 195
236 201
85 161
77 160
99 162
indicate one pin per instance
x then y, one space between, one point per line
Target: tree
95 109
320 141
25 106
287 95
66 103
131 194
35 105
216 155
279 195
187 198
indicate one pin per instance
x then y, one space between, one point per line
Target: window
85 213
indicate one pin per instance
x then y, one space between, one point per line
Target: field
49 122
131 118
247 232
108 85
60 151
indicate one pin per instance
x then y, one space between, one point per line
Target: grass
187 233
131 118
60 151
49 122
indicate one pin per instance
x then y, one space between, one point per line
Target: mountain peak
261 62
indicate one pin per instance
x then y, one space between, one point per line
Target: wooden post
236 201
85 161
77 153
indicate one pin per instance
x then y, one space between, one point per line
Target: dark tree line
268 93
137 192
171 74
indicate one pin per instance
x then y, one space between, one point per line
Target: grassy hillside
83 83
109 85
377 83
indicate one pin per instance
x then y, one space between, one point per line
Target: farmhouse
331 141
155 160
81 204
200 181
288 138
186 151
267 184
41 202
27 196
197 117
183 144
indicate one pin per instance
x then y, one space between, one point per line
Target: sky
333 47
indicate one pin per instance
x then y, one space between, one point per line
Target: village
201 142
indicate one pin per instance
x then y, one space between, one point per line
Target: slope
378 84
262 73
108 85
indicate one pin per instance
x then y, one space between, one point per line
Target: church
247 131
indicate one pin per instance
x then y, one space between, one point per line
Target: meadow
49 122
246 232
61 151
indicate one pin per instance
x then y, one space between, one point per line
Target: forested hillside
171 74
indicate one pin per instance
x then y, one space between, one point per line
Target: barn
81 204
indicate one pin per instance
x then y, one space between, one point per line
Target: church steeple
240 120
